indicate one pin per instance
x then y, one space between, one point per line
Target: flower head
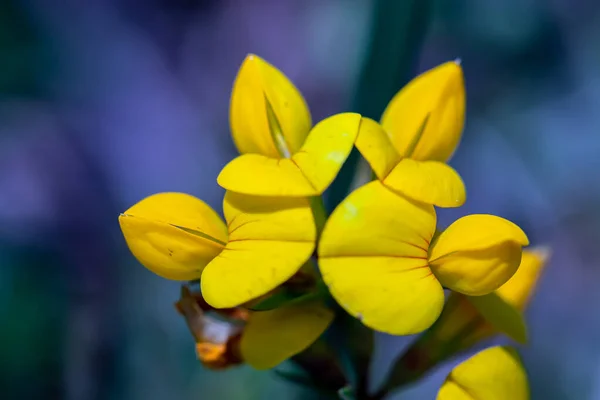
492 374
380 262
271 126
419 132
266 240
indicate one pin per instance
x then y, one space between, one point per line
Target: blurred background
105 102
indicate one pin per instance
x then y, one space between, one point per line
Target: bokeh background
105 102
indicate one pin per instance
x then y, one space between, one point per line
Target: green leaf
285 296
296 376
278 299
501 315
347 393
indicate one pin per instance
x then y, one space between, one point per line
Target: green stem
397 33
319 213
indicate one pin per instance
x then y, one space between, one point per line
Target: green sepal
347 393
501 315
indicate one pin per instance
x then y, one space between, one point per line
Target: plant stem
319 213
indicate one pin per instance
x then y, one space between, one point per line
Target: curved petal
425 119
518 290
395 295
478 272
431 182
271 337
492 374
174 235
376 147
268 115
477 254
307 173
269 240
372 255
254 174
476 232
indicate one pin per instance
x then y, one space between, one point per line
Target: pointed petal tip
458 61
251 57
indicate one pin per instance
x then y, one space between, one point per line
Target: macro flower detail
495 373
273 336
217 333
419 132
266 240
174 235
378 259
280 154
262 294
469 320
263 339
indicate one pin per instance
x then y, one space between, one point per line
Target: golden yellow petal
478 272
425 119
492 374
326 149
307 173
376 147
477 254
477 232
174 235
268 115
372 255
269 240
518 290
271 337
254 174
431 182
396 295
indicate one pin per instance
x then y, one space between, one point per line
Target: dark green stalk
397 33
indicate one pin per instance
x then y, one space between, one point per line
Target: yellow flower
266 240
263 339
419 132
467 320
270 124
495 373
377 256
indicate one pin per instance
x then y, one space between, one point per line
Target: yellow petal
431 182
425 119
310 170
399 296
268 115
477 254
501 315
271 337
174 235
477 232
492 374
372 255
518 290
269 240
376 147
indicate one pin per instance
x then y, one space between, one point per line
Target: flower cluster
276 262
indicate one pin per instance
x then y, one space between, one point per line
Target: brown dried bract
217 332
